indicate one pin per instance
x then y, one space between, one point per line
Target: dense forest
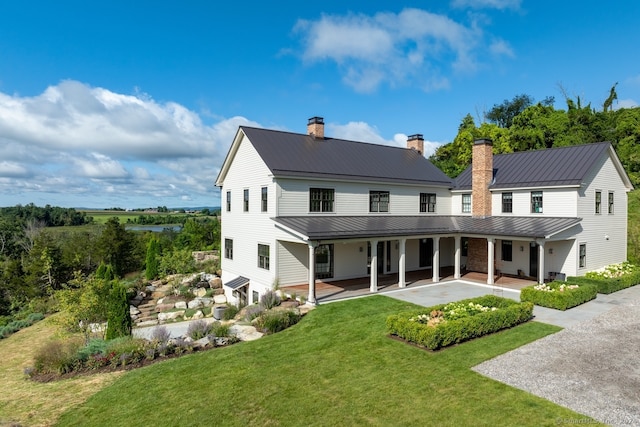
521 124
44 250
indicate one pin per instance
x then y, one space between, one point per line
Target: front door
533 259
425 252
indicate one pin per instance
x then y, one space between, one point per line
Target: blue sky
135 103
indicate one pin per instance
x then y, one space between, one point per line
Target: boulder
181 304
198 315
150 288
200 292
164 307
202 342
133 310
220 299
206 301
189 279
245 332
218 291
195 303
207 277
170 315
215 283
289 304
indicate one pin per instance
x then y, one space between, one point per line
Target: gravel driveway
592 367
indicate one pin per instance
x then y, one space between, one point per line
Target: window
466 203
246 200
507 202
321 199
583 256
427 202
228 201
378 201
255 297
264 199
610 202
228 248
263 256
536 202
324 261
507 250
598 201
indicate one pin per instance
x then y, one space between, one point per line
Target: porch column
373 269
401 263
312 274
490 257
435 266
541 262
456 267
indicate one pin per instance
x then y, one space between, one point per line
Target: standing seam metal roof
300 155
541 168
346 227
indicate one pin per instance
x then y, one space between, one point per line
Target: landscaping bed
611 278
559 295
447 324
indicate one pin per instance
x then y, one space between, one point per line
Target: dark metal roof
348 227
297 155
541 168
238 282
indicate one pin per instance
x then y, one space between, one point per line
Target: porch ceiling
348 227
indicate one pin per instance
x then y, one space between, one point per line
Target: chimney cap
482 141
316 121
415 136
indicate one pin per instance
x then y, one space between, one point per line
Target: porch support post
541 262
312 274
436 259
456 268
373 287
490 258
401 263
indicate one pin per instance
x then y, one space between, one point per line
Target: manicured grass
336 367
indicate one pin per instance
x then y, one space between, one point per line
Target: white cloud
74 139
625 103
361 131
413 47
487 4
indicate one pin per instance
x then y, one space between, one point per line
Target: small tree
119 320
105 271
153 250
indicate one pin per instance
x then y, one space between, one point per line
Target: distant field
102 216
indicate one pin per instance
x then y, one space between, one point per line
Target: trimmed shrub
199 329
559 295
275 321
420 327
611 278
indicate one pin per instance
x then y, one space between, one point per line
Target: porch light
521 248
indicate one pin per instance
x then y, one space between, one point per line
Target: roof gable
552 167
298 155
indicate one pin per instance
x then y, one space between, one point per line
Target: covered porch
342 289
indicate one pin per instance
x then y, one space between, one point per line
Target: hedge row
608 285
509 313
560 300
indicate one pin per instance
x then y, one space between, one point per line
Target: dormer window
378 201
427 202
536 202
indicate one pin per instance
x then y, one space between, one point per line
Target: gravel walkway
592 367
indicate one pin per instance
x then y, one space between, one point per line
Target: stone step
151 305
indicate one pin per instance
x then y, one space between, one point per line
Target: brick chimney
481 177
416 142
315 127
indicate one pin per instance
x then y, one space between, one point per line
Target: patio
342 289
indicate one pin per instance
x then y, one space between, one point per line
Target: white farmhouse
297 208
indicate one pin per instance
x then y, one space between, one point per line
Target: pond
154 228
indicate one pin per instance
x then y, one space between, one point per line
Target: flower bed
446 324
559 295
611 278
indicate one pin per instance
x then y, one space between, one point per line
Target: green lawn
336 367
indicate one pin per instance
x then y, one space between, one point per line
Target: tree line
521 124
38 259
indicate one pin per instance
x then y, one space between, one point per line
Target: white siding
556 202
293 259
604 234
353 198
247 229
